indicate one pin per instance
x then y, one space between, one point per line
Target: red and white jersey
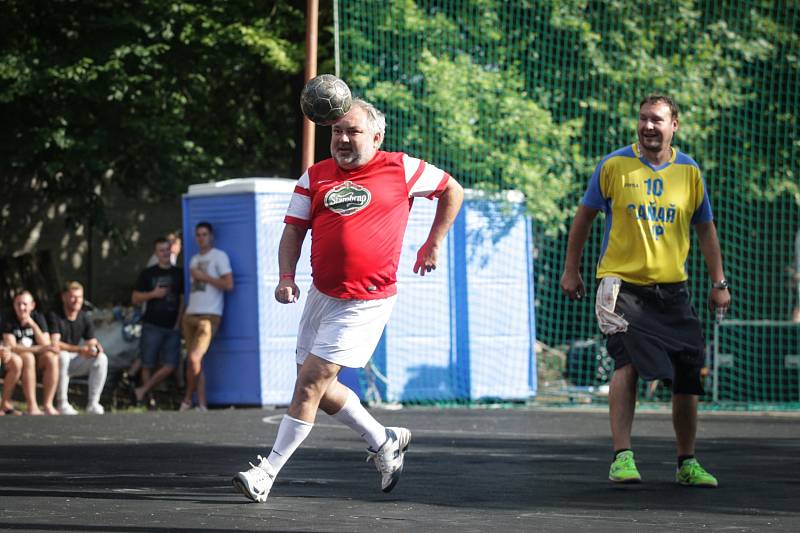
358 219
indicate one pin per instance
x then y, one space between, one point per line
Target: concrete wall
107 270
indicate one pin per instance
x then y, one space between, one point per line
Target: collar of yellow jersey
671 159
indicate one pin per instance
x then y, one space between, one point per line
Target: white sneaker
67 409
256 482
95 409
389 458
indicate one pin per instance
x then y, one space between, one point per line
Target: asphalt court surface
520 469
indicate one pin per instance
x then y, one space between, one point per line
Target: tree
461 100
140 98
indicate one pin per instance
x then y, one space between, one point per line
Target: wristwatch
721 285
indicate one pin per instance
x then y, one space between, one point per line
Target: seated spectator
161 288
26 334
12 364
81 354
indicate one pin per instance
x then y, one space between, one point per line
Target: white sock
354 416
97 378
291 433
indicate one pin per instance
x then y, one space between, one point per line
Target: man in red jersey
356 205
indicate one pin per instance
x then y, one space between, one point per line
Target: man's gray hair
375 118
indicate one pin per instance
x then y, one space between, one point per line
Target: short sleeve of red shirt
424 179
299 211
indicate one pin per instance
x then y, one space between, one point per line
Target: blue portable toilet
465 331
251 359
494 283
418 351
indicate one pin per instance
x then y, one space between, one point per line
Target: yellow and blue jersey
649 211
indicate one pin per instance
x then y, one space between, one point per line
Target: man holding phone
161 286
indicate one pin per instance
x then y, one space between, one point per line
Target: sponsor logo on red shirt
347 198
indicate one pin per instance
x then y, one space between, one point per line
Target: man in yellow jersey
651 194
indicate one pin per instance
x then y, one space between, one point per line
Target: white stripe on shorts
341 331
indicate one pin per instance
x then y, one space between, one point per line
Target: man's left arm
41 335
447 209
719 299
223 283
179 287
91 346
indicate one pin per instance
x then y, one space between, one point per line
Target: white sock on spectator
65 358
354 416
291 433
97 378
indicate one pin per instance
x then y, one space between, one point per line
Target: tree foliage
733 67
141 98
461 99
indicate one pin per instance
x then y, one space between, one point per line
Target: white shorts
341 331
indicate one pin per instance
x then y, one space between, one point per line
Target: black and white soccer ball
325 99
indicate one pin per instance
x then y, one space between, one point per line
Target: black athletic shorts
664 340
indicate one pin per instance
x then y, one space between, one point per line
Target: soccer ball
325 99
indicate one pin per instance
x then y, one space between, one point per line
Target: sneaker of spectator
67 409
95 409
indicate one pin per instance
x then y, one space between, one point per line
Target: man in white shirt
211 276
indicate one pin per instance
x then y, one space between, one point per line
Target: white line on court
276 419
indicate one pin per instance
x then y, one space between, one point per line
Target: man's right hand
287 291
572 285
159 292
89 350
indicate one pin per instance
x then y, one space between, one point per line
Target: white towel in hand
605 302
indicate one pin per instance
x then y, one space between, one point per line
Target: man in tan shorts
211 276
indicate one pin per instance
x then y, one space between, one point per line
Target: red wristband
287 276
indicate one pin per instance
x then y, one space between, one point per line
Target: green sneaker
691 474
623 469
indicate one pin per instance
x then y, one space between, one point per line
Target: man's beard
348 157
651 143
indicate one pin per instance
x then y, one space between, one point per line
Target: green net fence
530 95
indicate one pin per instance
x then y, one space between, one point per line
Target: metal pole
797 271
715 395
312 11
336 53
